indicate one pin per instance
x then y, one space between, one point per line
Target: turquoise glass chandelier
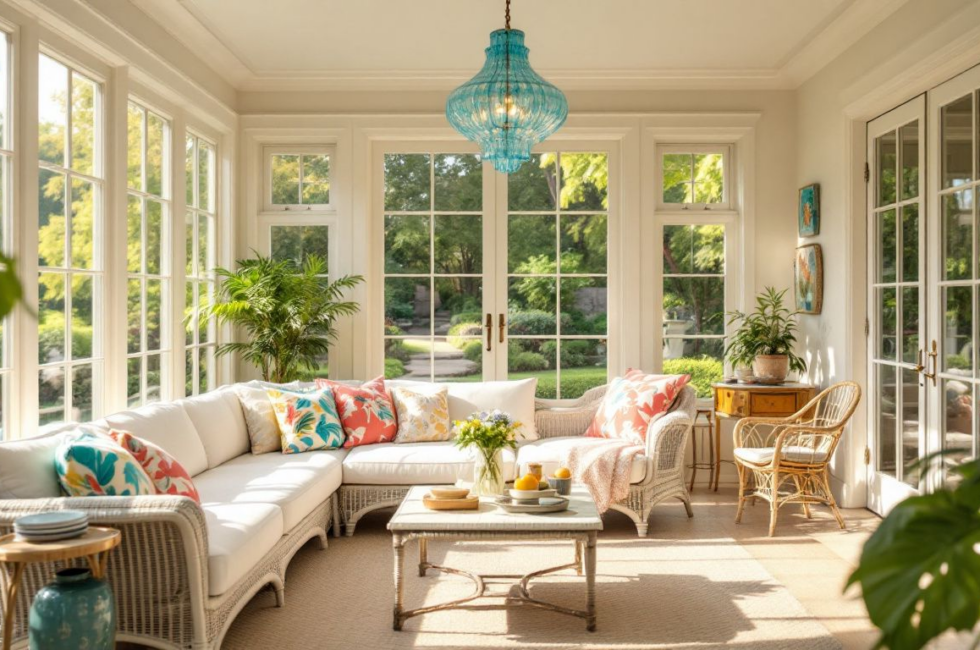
507 108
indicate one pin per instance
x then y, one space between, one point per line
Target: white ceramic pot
744 375
771 368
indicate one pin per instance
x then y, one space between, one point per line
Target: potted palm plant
764 339
287 312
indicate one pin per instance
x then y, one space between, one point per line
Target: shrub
465 317
704 371
459 330
400 311
528 362
531 322
394 368
473 351
396 349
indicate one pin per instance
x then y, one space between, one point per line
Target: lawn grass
574 381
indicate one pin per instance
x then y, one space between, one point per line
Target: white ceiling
321 44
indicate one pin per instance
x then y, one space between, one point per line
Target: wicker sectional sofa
183 571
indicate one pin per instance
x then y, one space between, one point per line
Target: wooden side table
94 546
735 401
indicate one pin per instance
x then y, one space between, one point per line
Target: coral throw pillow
422 416
632 403
366 411
168 475
307 421
89 465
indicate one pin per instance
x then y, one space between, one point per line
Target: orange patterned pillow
632 402
366 411
168 476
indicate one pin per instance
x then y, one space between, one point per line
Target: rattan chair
786 460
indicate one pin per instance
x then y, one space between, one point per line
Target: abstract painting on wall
809 210
809 279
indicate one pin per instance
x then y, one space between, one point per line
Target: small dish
526 495
449 493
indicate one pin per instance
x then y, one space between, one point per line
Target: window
6 225
433 266
148 257
298 180
70 291
201 336
557 233
696 260
693 177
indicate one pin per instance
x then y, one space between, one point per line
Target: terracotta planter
771 368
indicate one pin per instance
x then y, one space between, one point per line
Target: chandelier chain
507 16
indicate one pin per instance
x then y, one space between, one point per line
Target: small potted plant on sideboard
765 339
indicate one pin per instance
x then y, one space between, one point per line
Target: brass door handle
489 328
918 362
934 359
502 323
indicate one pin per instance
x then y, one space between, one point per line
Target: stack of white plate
51 526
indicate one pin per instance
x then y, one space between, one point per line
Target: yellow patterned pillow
422 416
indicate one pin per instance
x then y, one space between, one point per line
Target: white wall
920 45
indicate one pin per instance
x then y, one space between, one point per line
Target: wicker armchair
786 460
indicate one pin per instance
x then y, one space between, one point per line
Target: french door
492 276
924 292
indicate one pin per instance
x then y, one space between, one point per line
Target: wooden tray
514 506
469 503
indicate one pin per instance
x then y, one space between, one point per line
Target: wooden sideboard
734 401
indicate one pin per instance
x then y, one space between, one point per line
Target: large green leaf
10 289
920 570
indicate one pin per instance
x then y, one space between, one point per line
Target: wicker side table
94 546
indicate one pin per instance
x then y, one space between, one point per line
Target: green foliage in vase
920 570
769 330
489 432
286 311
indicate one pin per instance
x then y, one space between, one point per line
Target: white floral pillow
422 416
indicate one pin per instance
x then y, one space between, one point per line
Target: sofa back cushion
515 398
167 426
27 468
220 423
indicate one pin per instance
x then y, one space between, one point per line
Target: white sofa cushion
220 423
167 426
413 463
515 398
552 452
27 466
762 455
239 536
296 483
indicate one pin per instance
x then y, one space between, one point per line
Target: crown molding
840 32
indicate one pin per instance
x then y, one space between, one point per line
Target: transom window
70 222
693 177
200 225
298 179
148 257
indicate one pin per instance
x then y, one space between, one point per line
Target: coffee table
580 524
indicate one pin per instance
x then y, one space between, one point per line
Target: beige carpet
690 585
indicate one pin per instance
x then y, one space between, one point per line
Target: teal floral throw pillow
90 465
307 421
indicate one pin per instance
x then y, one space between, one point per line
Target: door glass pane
459 245
958 421
887 409
407 247
83 390
887 245
958 235
887 308
585 176
910 242
458 183
51 395
534 186
407 182
887 168
910 426
958 331
534 358
134 382
910 324
583 243
957 144
530 242
909 136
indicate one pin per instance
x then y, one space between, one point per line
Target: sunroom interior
147 147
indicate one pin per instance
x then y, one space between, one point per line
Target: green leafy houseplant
10 290
490 433
769 330
920 570
286 311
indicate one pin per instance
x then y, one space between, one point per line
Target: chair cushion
553 452
220 424
366 411
92 465
307 421
27 466
632 402
414 463
167 426
762 455
296 483
240 535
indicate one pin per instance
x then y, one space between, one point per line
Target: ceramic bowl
525 495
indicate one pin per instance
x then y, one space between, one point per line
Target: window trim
268 207
725 149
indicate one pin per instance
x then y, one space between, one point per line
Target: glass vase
488 475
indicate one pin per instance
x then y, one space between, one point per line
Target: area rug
658 592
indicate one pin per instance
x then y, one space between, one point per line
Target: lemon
563 472
526 482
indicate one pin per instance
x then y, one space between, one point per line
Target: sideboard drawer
731 402
773 403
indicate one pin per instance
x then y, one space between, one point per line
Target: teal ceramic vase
74 612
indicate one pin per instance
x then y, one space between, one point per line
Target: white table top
413 516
